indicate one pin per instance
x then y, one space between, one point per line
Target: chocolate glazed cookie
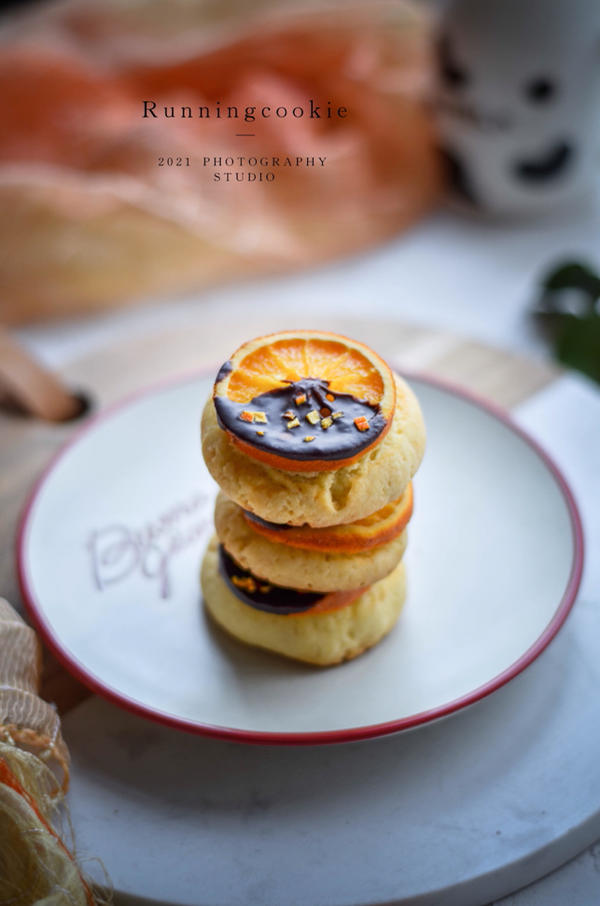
320 498
322 637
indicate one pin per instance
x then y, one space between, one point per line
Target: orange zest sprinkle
246 583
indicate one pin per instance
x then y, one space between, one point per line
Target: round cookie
320 498
325 638
306 570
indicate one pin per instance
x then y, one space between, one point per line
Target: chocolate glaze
271 525
276 599
340 441
225 369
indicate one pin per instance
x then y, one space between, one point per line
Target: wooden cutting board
27 445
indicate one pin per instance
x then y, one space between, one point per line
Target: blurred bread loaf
88 220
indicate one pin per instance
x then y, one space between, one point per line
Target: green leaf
573 275
578 344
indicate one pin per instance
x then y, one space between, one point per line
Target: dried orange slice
353 538
305 401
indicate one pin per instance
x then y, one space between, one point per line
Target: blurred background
464 175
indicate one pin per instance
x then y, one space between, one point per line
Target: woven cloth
36 864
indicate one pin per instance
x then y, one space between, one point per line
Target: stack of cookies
313 441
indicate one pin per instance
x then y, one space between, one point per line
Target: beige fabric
25 719
36 867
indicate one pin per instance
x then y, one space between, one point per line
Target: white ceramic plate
113 535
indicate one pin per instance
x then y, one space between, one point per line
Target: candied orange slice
305 400
335 600
364 534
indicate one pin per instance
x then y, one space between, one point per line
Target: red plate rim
353 734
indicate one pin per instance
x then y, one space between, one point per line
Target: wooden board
27 445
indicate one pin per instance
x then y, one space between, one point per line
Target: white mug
518 102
